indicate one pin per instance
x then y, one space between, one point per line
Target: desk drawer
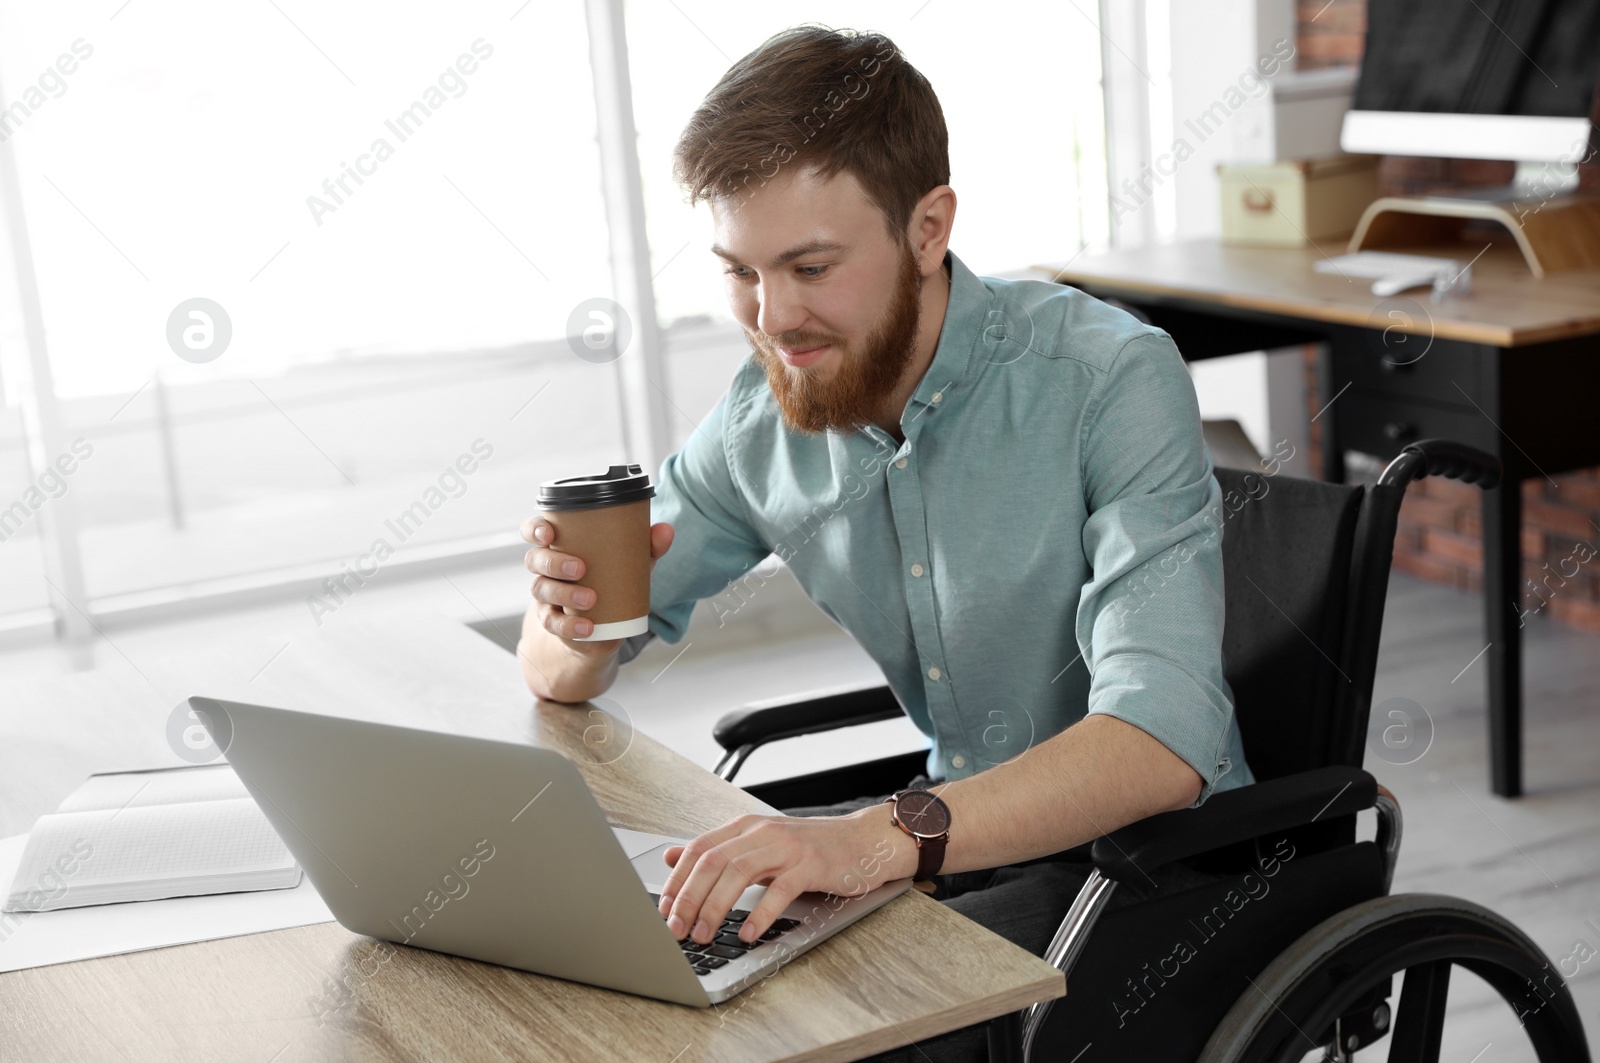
1407 372
1380 423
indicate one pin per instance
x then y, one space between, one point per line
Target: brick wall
1330 34
1440 537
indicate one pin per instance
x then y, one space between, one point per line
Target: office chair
1295 948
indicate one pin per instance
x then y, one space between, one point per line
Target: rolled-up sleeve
713 541
1149 622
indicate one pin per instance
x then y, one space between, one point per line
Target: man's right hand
557 593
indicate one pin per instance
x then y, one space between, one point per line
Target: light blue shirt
1045 544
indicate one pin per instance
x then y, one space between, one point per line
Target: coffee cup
605 521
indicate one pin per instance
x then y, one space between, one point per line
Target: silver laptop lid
479 848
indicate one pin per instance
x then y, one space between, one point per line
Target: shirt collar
964 318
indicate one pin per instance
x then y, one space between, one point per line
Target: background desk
1509 368
907 972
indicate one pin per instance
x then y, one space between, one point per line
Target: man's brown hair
835 99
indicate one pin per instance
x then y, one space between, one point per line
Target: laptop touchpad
652 867
635 842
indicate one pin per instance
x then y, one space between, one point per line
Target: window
396 209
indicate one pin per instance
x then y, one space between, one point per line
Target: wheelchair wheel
1329 987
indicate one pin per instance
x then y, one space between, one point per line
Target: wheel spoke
1419 1027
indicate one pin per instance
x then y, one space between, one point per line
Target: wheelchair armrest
788 717
1233 816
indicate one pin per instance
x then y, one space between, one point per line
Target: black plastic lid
619 484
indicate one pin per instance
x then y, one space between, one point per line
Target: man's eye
734 271
820 270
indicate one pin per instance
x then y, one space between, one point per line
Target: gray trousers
1023 903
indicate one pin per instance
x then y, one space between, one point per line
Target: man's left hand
790 855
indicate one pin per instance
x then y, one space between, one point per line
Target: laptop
494 851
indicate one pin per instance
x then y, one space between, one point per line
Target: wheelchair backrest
1289 550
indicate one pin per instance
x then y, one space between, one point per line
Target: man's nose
779 310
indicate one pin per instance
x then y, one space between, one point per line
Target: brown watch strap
930 856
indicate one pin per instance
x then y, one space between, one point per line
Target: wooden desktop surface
1507 306
905 973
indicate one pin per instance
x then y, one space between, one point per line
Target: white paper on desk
37 939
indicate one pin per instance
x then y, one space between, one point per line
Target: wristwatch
922 815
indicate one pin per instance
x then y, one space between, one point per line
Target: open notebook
144 835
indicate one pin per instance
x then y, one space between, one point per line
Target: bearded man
998 488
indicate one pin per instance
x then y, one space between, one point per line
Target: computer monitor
1481 79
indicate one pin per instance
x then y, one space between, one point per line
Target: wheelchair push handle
1442 457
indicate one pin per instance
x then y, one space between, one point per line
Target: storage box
1289 204
1300 116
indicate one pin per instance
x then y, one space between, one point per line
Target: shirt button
958 761
937 395
916 570
900 464
934 673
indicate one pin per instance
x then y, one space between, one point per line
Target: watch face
922 813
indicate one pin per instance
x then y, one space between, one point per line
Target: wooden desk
909 971
1508 368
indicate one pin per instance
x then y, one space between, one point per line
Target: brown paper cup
614 543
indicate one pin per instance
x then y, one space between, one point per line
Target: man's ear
929 231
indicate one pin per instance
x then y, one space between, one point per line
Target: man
999 488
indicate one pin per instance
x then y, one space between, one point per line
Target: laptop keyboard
725 944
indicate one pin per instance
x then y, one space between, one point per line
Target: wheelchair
1295 949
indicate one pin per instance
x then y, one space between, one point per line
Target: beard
864 379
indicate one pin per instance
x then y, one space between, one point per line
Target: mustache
791 341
